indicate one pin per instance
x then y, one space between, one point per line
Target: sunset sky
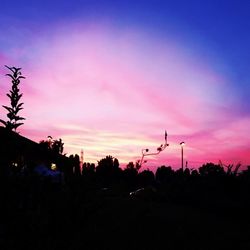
109 77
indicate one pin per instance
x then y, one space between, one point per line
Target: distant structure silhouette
81 159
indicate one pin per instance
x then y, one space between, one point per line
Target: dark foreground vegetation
105 207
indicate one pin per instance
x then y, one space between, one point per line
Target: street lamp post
182 144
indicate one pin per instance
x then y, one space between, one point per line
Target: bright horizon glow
113 89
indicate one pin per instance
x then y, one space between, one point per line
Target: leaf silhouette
19 105
18 118
3 122
10 76
16 69
9 108
16 125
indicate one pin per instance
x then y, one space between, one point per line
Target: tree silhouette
164 174
14 95
88 169
45 144
231 169
55 146
210 169
130 174
146 178
75 164
108 169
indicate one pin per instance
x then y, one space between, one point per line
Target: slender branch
145 152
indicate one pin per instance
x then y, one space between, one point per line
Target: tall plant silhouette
15 106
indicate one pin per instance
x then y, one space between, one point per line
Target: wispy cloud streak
115 92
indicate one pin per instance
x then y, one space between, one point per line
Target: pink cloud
115 92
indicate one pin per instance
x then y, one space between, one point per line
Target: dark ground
47 217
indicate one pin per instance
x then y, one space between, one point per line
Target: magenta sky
111 90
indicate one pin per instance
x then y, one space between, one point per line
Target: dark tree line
104 206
